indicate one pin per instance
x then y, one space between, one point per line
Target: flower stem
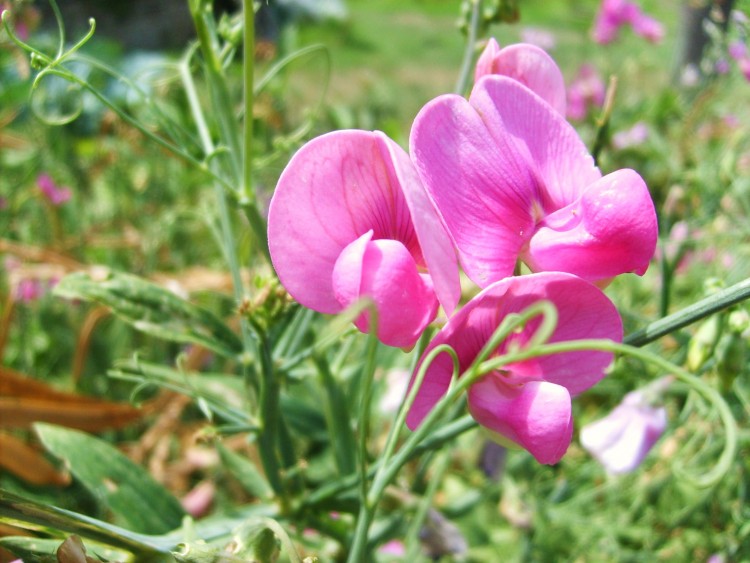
690 314
471 38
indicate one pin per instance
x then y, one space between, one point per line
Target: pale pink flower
744 65
636 135
513 180
542 38
197 502
587 90
621 440
529 65
351 219
527 403
395 548
54 194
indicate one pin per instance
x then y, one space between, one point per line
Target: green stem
247 195
358 548
466 65
690 314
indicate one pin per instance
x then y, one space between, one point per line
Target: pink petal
621 440
648 28
610 230
532 67
482 186
583 312
335 188
486 62
385 271
550 145
536 415
434 241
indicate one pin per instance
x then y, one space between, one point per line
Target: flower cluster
614 14
491 181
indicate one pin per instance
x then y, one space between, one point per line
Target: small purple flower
56 195
621 440
722 66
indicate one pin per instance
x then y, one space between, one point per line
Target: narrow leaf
152 309
136 500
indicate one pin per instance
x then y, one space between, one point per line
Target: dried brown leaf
27 463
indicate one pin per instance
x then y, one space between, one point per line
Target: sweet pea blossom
613 14
529 65
586 90
527 403
621 440
512 179
351 219
50 190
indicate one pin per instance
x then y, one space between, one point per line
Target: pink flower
540 37
621 440
29 290
613 14
744 65
55 194
527 64
737 50
350 219
586 90
527 403
636 135
393 547
512 180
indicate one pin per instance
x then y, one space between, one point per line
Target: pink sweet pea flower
350 219
513 180
529 65
737 50
621 440
527 403
613 14
55 194
586 90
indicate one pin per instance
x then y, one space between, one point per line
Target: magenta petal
486 61
536 415
334 189
385 271
434 241
550 145
611 230
583 312
482 187
535 69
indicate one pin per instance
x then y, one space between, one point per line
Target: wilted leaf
73 551
27 463
136 500
24 401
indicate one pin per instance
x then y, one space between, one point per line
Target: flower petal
385 271
434 241
335 188
536 415
483 188
550 145
611 230
583 312
529 65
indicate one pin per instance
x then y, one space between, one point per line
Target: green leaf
34 515
137 501
152 309
245 472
